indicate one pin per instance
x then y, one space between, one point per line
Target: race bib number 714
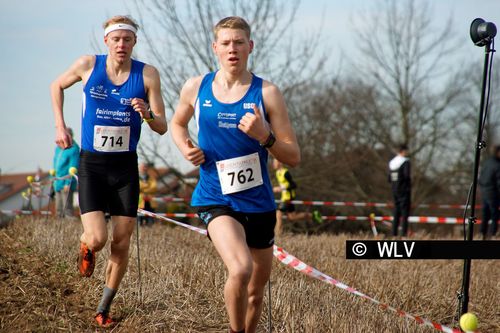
111 138
239 173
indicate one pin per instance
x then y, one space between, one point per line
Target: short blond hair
121 19
232 22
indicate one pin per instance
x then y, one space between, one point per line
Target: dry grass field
182 283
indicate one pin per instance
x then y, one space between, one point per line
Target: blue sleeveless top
220 139
109 122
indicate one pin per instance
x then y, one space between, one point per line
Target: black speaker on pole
482 34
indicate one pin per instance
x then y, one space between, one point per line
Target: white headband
119 26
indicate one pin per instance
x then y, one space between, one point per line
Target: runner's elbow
293 160
163 129
55 86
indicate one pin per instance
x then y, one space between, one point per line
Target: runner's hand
193 154
140 106
253 125
63 138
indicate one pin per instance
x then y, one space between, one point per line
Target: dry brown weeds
183 278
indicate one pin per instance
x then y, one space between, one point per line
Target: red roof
11 184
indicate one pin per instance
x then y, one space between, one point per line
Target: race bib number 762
239 173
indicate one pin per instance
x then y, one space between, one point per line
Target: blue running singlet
235 170
109 122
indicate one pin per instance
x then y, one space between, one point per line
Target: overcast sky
40 39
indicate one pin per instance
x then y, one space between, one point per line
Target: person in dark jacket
400 179
489 184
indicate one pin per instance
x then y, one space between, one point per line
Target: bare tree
403 86
414 89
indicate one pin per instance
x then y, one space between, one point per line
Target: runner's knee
96 241
255 298
241 273
120 244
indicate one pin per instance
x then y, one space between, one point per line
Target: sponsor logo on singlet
98 92
126 101
123 116
224 124
248 105
208 103
225 115
226 120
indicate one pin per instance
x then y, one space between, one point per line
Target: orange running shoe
86 260
103 320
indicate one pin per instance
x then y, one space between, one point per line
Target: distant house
13 186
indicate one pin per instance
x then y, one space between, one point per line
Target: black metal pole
464 295
138 260
270 315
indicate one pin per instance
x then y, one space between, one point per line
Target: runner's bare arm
78 71
179 124
156 104
286 148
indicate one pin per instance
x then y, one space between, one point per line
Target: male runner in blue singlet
241 118
118 94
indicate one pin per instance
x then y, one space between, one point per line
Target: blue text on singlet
107 104
220 139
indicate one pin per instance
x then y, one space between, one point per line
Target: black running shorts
259 227
108 183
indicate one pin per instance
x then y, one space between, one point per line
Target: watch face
271 139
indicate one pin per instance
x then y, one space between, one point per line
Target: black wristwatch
271 139
151 116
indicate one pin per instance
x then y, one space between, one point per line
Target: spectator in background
489 184
286 186
400 179
64 159
148 187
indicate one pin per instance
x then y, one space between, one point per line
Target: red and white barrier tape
337 203
25 212
429 219
411 219
289 260
191 215
165 218
382 219
372 204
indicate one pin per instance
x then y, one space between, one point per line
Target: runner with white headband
119 93
119 26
